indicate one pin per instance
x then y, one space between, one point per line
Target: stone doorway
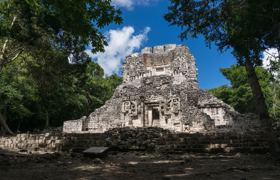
153 116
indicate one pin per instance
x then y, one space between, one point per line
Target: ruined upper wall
159 49
171 60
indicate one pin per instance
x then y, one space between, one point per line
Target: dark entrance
155 114
155 117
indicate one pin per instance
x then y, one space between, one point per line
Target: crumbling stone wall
74 125
47 142
160 89
161 140
141 139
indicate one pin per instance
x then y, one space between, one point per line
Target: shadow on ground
138 165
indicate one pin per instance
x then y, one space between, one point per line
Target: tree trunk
257 94
47 120
3 123
261 106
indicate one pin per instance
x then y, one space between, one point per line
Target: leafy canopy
64 25
247 26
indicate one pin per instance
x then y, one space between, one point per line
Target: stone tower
168 60
159 89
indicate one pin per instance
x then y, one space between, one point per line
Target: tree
17 91
239 94
274 68
248 27
53 74
31 27
98 89
33 94
51 23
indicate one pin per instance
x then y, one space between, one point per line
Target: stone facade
159 89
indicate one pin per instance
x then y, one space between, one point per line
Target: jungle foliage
39 87
239 94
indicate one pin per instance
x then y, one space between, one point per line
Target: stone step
156 123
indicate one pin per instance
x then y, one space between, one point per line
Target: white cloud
269 56
121 43
129 4
123 3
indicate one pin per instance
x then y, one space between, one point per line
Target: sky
143 25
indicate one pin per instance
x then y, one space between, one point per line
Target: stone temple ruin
159 89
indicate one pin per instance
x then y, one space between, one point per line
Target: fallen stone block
96 151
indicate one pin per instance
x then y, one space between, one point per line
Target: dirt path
139 165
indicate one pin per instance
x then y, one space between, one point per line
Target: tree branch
273 55
7 40
4 47
17 55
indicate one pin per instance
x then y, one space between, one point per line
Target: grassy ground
138 165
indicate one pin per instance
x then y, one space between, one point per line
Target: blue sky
144 25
